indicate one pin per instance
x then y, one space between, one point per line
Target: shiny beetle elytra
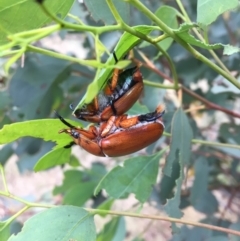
120 135
119 95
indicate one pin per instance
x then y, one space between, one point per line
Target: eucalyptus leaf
31 15
180 147
136 176
183 33
47 129
53 158
60 223
209 10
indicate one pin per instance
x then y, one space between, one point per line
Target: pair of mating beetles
116 134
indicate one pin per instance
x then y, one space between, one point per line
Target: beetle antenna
63 121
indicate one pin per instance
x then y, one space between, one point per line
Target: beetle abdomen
131 140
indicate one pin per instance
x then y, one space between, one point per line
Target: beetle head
72 131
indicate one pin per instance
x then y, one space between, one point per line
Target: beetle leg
112 85
107 128
113 107
137 75
112 124
69 145
152 116
129 122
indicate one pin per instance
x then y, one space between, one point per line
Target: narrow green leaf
53 158
60 223
183 33
46 129
180 151
168 184
209 10
201 198
172 205
71 177
180 146
200 184
126 43
136 176
17 16
113 230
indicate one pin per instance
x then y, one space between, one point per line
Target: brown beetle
119 136
118 96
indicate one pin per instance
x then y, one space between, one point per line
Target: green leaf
71 177
60 223
78 194
46 129
100 11
5 154
180 146
17 16
183 33
73 162
218 238
113 230
106 205
138 109
202 199
169 16
38 82
180 151
168 184
126 43
209 10
78 186
136 176
4 100
172 205
4 231
234 226
53 158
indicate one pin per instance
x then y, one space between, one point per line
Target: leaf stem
157 85
92 63
77 27
28 204
208 143
208 103
155 217
188 47
144 37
